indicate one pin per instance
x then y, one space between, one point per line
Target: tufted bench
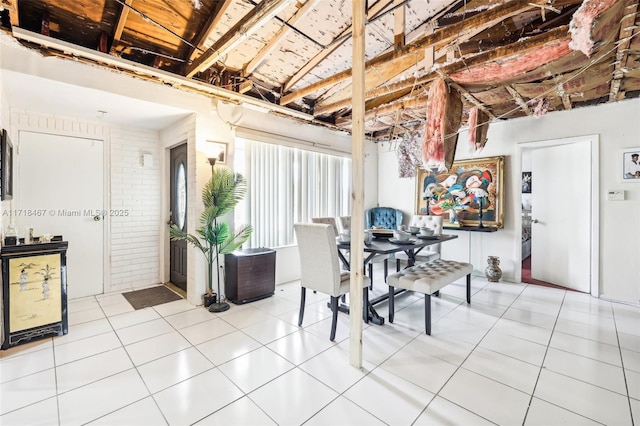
428 278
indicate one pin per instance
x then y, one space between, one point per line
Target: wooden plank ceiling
507 58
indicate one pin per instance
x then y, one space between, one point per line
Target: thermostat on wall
615 195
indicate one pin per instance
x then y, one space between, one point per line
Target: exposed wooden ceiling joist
627 29
214 19
122 19
529 44
252 21
278 37
521 103
323 54
12 6
484 19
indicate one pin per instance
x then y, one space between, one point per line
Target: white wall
618 126
132 241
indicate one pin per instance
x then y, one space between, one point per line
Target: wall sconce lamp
216 153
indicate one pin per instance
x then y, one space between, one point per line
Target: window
289 185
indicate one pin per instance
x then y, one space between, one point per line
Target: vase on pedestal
493 271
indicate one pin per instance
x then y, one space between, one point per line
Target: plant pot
209 299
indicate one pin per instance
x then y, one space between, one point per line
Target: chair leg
468 288
370 276
427 313
397 265
334 320
391 303
303 293
386 269
365 304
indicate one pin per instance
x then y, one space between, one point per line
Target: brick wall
135 191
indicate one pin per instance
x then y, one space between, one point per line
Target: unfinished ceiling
505 58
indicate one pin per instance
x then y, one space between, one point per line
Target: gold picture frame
469 188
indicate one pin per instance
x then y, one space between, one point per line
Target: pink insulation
478 127
513 66
583 22
444 114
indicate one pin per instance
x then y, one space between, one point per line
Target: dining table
384 245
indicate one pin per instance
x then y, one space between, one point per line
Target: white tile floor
518 355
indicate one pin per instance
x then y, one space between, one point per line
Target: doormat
150 297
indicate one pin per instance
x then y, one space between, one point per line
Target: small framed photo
526 182
6 163
630 165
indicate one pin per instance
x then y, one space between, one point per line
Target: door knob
96 218
535 221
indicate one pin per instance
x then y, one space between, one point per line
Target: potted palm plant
214 237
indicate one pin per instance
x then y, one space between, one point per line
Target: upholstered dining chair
428 253
329 221
320 269
345 225
385 217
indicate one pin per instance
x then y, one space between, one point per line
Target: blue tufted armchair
387 217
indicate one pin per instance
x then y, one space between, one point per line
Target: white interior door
61 192
561 215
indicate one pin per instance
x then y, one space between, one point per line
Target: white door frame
594 142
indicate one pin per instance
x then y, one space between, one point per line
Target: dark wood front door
178 216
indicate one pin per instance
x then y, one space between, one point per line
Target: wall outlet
617 195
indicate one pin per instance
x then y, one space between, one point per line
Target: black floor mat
150 297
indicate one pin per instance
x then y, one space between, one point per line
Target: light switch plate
615 195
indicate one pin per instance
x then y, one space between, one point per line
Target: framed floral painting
469 194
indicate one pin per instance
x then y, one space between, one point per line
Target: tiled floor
518 355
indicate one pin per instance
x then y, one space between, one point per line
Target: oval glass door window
181 196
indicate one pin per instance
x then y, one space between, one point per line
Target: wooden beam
627 28
383 73
566 101
516 97
245 86
357 194
214 19
122 19
478 22
247 25
277 38
398 26
322 55
44 24
374 77
467 95
404 104
531 43
12 6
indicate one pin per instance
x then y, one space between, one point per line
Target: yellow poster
35 292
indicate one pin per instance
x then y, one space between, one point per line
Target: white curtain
290 185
